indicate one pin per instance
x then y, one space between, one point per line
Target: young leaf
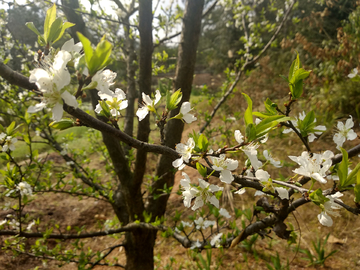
201 169
101 55
317 197
65 26
32 27
55 30
250 132
50 18
248 113
352 177
173 100
10 128
88 50
343 169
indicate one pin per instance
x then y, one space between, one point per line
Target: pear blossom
328 208
14 224
203 224
311 136
2 137
24 188
28 228
268 157
224 213
103 79
239 137
189 192
116 102
282 192
186 224
240 191
216 240
148 105
185 151
353 73
9 143
52 83
345 132
202 193
184 112
71 47
315 166
251 152
262 175
3 222
225 166
196 244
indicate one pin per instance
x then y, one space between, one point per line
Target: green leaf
88 50
203 143
10 128
357 190
62 124
55 30
352 177
301 74
250 132
296 89
50 18
296 64
32 27
284 77
65 26
201 169
343 169
270 107
173 100
105 108
317 197
268 123
248 113
307 125
101 56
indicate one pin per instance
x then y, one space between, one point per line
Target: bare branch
238 76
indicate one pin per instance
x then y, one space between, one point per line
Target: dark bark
184 76
69 7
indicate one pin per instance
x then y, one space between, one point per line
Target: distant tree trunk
183 80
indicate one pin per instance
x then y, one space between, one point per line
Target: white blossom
225 166
104 79
3 222
203 224
185 151
116 102
282 192
71 47
196 244
239 137
28 228
186 224
268 157
24 188
311 136
224 213
251 152
148 105
184 111
240 191
353 73
14 224
9 144
345 133
203 193
52 82
262 175
328 208
315 166
216 240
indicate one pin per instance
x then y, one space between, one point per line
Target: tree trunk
183 80
140 249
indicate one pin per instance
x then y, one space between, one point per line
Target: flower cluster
203 193
53 82
344 133
311 136
7 142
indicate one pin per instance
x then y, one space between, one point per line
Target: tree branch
238 76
